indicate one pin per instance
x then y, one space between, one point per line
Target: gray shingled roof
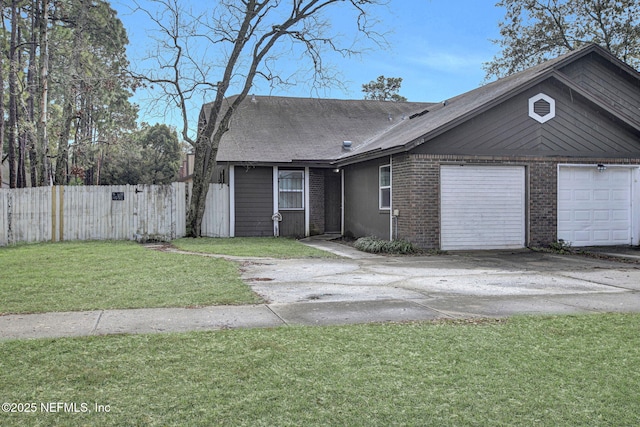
280 129
275 129
465 106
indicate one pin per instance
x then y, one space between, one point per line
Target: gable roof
468 105
285 130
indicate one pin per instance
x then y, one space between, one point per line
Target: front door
332 202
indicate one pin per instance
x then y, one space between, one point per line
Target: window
385 187
290 189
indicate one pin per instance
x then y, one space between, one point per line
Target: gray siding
316 201
362 216
578 130
332 202
292 224
253 201
618 88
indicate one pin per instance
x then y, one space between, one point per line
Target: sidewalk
614 290
154 320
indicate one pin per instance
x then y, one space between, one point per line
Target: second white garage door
482 207
595 207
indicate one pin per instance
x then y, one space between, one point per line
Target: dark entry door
332 202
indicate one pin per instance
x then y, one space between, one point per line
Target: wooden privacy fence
215 222
121 212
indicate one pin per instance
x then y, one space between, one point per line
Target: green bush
561 247
379 246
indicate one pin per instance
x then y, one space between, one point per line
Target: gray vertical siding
333 202
292 224
362 216
253 201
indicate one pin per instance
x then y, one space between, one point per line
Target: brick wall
416 193
543 203
416 196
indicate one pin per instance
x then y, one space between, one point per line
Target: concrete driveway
363 288
482 283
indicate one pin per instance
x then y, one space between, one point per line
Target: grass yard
252 247
547 371
72 276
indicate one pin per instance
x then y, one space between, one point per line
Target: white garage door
594 207
482 207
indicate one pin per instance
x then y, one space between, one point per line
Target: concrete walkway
361 288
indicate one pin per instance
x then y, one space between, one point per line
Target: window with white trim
384 195
290 189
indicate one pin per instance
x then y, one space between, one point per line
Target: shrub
379 246
561 246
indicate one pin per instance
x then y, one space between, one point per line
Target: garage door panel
621 196
601 215
580 237
601 195
594 207
582 195
482 207
582 216
621 215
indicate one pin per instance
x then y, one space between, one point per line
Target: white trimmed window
384 195
290 189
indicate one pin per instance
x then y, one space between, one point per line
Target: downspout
392 218
307 207
342 201
276 217
232 201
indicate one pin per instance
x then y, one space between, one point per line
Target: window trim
384 187
301 191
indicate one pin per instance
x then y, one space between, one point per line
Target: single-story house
549 153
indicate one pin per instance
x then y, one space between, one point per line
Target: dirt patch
160 246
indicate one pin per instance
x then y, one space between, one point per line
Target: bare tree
249 38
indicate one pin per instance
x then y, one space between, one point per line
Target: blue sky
438 47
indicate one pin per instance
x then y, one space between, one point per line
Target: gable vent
542 108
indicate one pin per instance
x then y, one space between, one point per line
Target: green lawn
542 371
72 276
252 247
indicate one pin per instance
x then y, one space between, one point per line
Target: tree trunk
22 154
13 96
200 188
62 160
2 121
44 171
32 89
